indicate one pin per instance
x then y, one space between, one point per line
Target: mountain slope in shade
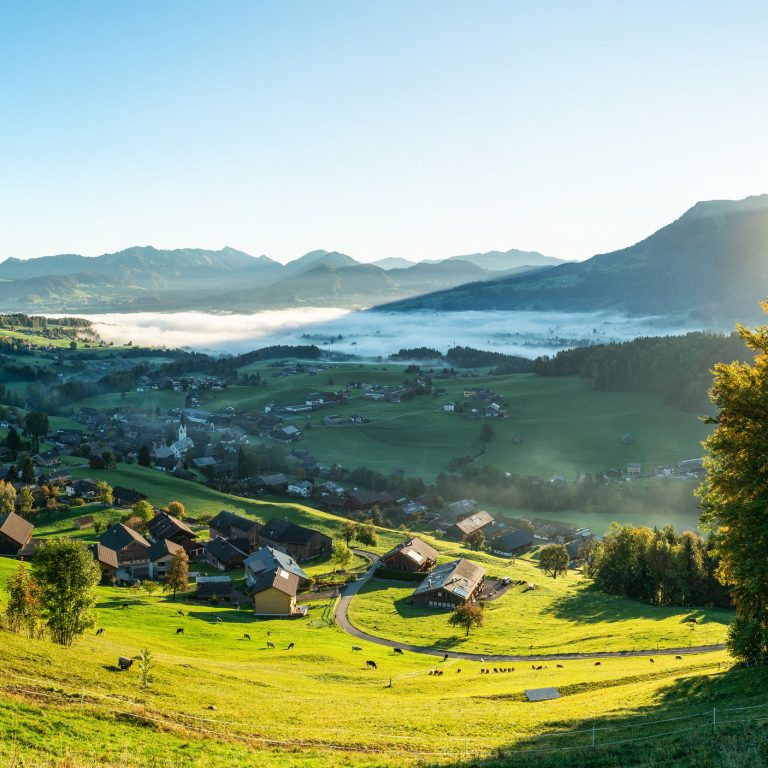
711 265
503 261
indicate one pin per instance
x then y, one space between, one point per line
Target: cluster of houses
449 585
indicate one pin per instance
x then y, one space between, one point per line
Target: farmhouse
165 526
224 555
274 593
363 500
131 547
413 555
275 483
512 543
160 555
107 560
268 559
450 585
15 532
228 525
286 434
295 540
469 525
86 489
458 509
126 497
301 488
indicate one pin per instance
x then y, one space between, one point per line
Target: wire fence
600 734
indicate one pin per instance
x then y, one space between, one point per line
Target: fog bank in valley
377 333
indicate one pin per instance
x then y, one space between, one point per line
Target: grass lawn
561 615
70 702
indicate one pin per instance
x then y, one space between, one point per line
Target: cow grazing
431 671
495 670
247 636
399 650
652 661
679 658
218 619
100 631
356 648
125 605
270 644
124 662
269 633
539 667
597 663
458 670
559 666
439 672
180 630
290 645
180 612
371 664
445 658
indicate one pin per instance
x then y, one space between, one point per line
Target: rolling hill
709 265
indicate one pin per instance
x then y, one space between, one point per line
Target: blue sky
415 129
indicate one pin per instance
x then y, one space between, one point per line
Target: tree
73 345
7 497
28 476
13 441
734 490
12 475
366 534
36 425
348 531
104 493
467 616
476 539
23 609
177 576
486 432
177 510
26 502
67 574
341 556
554 559
143 509
149 586
98 525
145 457
146 668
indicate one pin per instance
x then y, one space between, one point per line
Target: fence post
714 718
593 736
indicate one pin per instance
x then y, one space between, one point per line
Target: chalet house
274 593
131 547
364 500
268 559
224 555
413 555
458 509
301 488
295 540
476 522
107 560
15 532
86 489
228 525
160 555
276 483
286 434
165 526
126 497
83 523
512 543
450 586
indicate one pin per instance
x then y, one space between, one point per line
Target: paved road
354 587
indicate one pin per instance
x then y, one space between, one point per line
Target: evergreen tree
28 471
145 458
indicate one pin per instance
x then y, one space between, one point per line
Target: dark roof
268 559
230 520
120 536
85 486
163 526
224 550
131 495
512 540
279 578
16 528
104 555
369 498
278 479
286 532
162 548
219 588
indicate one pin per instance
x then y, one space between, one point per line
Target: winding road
342 618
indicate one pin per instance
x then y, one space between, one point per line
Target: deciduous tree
177 576
468 616
554 559
341 556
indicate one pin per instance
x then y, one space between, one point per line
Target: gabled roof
164 547
128 494
416 549
230 520
120 536
104 555
16 528
223 550
279 578
474 522
163 526
279 479
512 540
268 559
459 577
285 532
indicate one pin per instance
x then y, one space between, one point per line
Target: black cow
180 631
124 662
247 636
399 650
100 631
291 645
371 664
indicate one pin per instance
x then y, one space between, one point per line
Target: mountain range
710 265
150 279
